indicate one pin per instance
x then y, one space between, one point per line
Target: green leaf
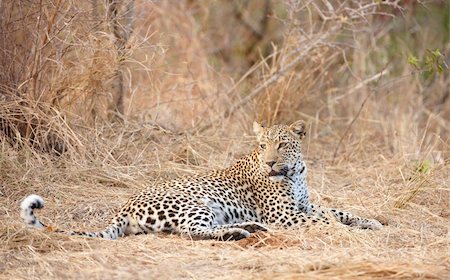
412 60
437 54
424 167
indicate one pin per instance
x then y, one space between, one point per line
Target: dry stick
359 111
122 35
361 84
34 74
268 82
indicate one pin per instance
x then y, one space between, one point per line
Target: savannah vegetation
99 99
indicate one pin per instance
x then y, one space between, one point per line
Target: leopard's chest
301 194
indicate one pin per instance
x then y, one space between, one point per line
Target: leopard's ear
258 130
298 128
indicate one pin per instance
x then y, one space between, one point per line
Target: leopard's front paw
367 224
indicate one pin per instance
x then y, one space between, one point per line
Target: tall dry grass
195 75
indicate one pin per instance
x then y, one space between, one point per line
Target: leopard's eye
262 146
282 145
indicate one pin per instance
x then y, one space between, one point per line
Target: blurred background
352 69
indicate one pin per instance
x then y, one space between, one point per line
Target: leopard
264 189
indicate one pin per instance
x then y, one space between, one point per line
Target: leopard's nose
270 163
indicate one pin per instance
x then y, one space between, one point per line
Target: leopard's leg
292 219
222 233
345 217
200 222
248 226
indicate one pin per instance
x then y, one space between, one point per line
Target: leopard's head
279 150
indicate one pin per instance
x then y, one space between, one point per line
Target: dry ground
413 245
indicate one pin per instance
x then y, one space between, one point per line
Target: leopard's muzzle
282 172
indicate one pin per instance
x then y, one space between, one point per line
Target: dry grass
414 244
378 141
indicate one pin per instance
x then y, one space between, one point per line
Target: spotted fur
265 187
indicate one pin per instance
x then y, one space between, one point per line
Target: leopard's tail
27 206
31 202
